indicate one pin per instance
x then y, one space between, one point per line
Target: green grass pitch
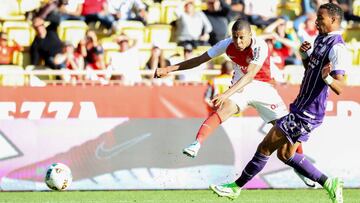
176 196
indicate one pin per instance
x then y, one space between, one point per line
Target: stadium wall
116 137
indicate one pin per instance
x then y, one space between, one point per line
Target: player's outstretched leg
209 125
334 187
193 149
306 180
230 190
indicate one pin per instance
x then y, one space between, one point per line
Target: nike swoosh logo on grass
107 153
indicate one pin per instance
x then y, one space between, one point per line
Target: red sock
299 150
208 126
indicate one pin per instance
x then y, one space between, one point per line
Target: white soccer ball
58 176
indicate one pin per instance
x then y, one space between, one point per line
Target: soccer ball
58 176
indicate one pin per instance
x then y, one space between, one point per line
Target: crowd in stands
184 29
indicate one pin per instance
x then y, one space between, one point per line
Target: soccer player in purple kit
324 68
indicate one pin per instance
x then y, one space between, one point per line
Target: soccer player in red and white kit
251 83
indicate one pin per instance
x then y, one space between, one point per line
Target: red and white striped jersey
256 54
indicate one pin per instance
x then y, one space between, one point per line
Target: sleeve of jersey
219 48
340 59
260 53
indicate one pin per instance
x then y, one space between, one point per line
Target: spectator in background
126 60
309 6
6 51
308 31
260 15
128 10
70 60
237 9
57 10
346 6
192 27
46 43
71 10
97 10
157 59
217 12
284 44
93 53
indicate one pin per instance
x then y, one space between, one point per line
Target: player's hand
218 100
161 72
326 70
305 46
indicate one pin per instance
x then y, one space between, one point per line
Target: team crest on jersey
256 54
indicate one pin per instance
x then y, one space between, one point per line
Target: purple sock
302 165
256 164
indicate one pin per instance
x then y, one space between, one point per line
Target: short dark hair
333 10
241 25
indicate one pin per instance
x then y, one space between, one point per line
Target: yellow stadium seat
290 9
154 13
352 34
158 33
10 10
168 9
9 77
20 31
133 29
356 7
26 5
72 30
21 58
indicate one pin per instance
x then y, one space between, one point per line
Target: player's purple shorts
297 127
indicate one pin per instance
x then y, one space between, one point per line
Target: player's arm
304 49
188 64
333 73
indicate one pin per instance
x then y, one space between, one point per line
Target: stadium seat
72 30
352 33
21 58
290 9
11 10
354 50
356 7
154 13
20 31
133 29
158 33
26 5
168 9
11 79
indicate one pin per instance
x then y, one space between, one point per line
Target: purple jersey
311 100
308 110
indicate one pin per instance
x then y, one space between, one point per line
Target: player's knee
283 155
227 110
264 149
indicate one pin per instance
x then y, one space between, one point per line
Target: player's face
241 39
323 21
